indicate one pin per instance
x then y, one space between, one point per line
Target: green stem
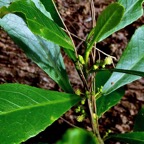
87 53
94 121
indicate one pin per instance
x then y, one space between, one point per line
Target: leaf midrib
17 92
36 106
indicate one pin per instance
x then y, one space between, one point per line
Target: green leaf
25 111
41 7
139 120
39 23
133 11
131 138
51 7
132 59
104 103
78 136
48 9
108 19
44 53
37 3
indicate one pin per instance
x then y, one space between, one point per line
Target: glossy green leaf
39 23
133 11
41 7
108 19
132 59
139 120
48 9
37 3
104 103
78 136
51 7
25 111
130 138
44 53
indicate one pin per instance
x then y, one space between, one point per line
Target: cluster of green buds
80 118
106 61
80 62
81 111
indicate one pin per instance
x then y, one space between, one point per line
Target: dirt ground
15 67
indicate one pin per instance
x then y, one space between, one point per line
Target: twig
105 53
68 122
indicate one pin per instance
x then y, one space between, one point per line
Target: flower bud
81 59
95 67
78 92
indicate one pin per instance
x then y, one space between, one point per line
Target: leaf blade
131 138
50 6
133 11
44 53
132 59
39 23
108 19
104 103
25 110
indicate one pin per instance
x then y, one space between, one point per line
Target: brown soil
15 67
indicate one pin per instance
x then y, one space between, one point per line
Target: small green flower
83 111
80 118
95 67
83 101
78 109
108 60
78 92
